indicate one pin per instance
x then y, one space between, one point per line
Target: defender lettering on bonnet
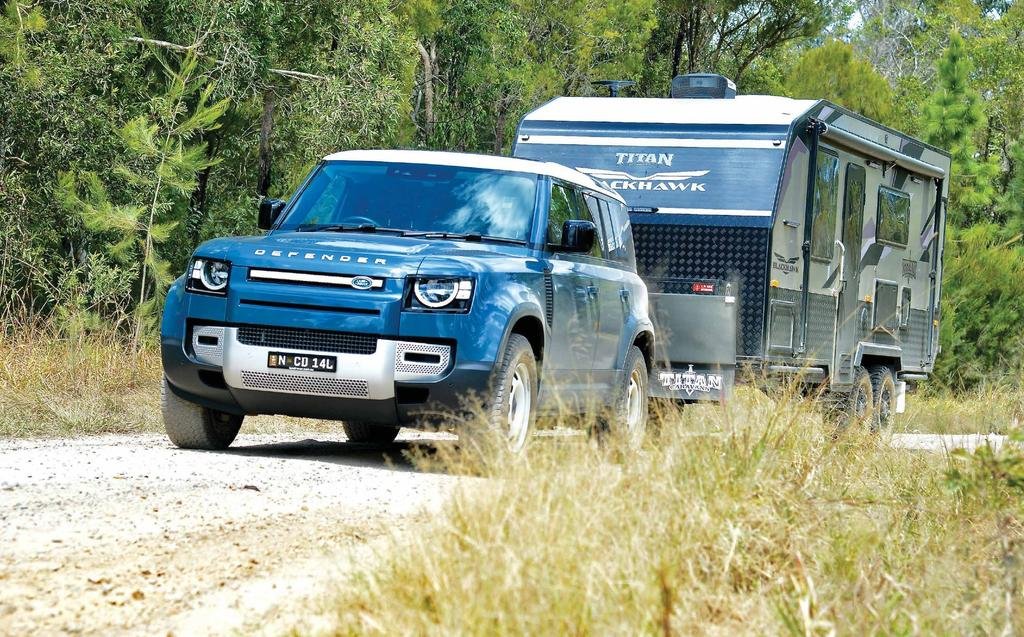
313 256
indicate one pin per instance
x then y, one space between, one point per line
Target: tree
19 22
164 168
727 36
951 117
832 71
1011 203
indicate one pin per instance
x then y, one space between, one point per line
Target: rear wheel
375 434
629 411
883 385
191 426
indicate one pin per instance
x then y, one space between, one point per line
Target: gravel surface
127 534
946 442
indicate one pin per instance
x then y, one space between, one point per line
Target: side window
608 225
619 241
826 199
625 233
893 216
593 213
563 208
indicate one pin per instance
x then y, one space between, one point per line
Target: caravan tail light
703 288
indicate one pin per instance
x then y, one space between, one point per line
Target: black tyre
883 385
859 405
629 408
511 408
375 434
192 426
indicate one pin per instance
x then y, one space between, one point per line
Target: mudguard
695 346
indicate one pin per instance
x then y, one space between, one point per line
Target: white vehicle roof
755 110
471 160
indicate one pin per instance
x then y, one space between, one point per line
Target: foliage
981 309
1011 204
834 72
951 117
163 169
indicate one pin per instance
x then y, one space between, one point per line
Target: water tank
703 86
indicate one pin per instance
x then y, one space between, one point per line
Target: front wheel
512 405
192 426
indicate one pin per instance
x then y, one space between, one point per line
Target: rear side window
619 235
826 200
893 216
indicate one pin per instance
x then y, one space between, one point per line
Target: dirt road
125 534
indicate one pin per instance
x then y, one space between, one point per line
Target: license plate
303 362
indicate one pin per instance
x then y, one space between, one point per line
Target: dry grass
748 520
992 409
51 385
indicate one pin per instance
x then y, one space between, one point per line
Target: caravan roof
752 110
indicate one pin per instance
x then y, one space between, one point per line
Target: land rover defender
395 287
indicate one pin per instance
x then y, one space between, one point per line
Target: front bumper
380 380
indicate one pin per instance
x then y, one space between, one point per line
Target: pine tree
19 21
166 161
1011 204
952 116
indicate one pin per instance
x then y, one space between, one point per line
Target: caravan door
851 234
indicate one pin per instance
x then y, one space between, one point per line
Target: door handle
592 291
624 294
841 279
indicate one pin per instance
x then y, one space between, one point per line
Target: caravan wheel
883 385
860 403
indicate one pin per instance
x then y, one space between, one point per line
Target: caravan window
826 200
893 216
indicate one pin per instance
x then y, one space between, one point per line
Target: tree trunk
499 128
428 91
266 128
197 206
677 47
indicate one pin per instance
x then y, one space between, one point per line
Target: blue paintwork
508 287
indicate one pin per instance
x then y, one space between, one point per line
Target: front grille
344 387
310 340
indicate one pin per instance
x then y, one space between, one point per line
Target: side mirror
578 236
270 210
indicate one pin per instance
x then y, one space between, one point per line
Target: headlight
441 293
209 275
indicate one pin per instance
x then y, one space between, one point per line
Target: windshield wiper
462 236
366 228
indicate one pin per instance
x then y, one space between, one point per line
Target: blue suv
401 287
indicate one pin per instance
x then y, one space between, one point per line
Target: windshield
416 198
